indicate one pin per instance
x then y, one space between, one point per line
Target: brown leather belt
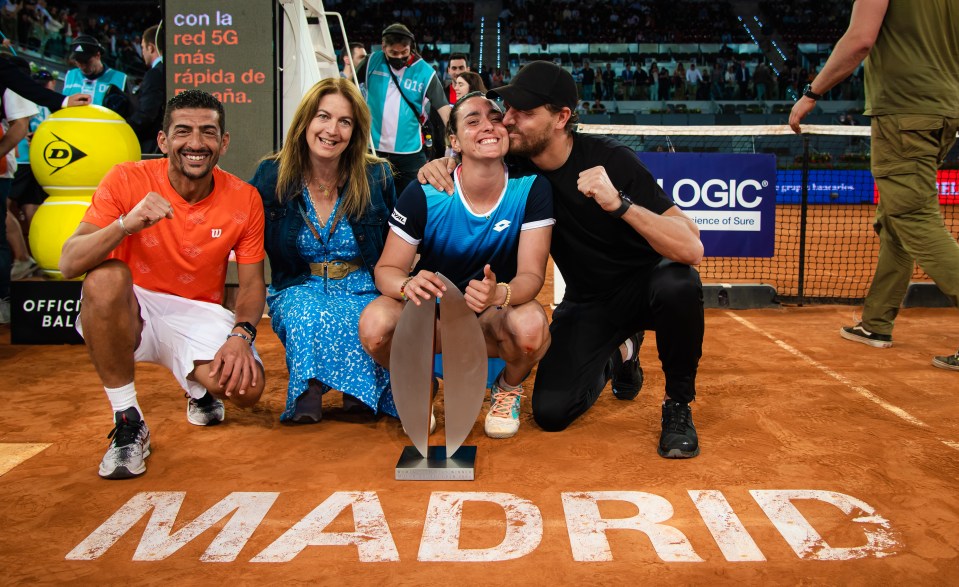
336 269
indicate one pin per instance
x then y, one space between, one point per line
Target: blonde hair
294 157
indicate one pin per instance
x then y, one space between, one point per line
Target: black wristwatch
625 203
248 328
807 91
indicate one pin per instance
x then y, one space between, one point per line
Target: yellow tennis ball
55 220
74 148
70 153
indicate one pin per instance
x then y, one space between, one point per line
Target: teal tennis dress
318 321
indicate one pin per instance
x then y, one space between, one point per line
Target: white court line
901 413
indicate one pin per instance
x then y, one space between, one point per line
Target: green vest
914 66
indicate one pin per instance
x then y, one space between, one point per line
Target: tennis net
825 247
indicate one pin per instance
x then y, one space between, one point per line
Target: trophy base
436 467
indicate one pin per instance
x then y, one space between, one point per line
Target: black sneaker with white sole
678 439
950 362
129 447
859 334
206 411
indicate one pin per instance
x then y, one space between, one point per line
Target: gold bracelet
509 293
403 287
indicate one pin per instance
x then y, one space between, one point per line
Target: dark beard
531 147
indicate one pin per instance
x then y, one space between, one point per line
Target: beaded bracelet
509 293
403 287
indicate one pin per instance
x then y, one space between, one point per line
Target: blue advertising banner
731 197
826 186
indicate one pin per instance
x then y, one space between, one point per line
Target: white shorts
178 332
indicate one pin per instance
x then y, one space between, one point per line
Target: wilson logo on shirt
216 232
501 225
399 218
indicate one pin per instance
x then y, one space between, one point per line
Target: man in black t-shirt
625 251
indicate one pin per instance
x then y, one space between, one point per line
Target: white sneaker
207 415
129 446
23 269
502 420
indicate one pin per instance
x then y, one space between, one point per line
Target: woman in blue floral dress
326 204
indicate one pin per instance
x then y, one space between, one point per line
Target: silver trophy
464 385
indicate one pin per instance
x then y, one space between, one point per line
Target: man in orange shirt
154 245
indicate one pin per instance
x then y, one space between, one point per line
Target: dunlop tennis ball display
69 154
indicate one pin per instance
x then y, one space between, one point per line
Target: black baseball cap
399 29
538 83
84 47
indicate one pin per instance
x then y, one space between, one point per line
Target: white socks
124 397
629 349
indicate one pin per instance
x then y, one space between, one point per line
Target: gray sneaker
129 447
206 411
950 362
4 311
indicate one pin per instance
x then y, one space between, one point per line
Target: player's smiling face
193 142
480 133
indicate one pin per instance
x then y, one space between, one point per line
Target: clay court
862 442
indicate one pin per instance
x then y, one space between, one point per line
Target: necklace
324 189
472 206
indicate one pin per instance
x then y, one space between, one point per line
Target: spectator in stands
583 108
743 78
628 81
597 107
402 141
912 81
458 63
326 211
354 56
637 276
107 86
762 80
589 78
653 81
664 83
147 297
467 82
694 77
609 82
717 82
15 116
147 119
678 82
731 89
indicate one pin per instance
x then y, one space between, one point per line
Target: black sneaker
628 379
859 334
130 446
351 405
950 362
678 440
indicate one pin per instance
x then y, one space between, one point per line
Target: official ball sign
44 312
732 198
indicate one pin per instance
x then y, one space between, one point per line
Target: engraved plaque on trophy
464 385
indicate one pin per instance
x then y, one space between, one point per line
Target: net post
803 212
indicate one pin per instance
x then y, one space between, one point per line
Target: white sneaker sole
944 365
493 430
879 344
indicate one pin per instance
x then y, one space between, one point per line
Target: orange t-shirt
187 255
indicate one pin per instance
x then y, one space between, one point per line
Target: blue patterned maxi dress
318 320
